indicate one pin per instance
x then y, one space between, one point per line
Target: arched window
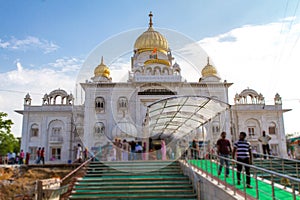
56 131
165 71
34 131
252 127
123 103
176 72
272 128
100 104
99 129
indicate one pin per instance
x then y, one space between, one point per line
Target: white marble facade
117 110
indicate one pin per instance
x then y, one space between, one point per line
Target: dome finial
150 22
102 62
208 60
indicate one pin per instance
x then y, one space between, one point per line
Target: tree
8 143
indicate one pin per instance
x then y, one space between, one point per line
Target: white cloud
4 44
17 83
264 58
67 64
29 42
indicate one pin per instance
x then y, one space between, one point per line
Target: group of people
242 152
16 158
81 155
40 154
135 150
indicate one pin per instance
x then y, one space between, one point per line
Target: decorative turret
58 97
209 73
27 100
249 96
102 73
277 99
209 70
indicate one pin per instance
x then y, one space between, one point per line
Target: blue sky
76 27
47 41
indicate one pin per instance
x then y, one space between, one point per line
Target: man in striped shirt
243 150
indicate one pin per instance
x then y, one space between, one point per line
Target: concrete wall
210 190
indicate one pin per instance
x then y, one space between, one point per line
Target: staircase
282 166
133 180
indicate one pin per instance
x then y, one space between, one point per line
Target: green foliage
8 143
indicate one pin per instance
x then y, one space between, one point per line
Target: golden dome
151 40
102 70
157 61
209 70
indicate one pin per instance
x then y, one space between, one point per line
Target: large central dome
151 40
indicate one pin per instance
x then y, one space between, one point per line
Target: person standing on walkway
244 155
43 155
163 150
22 156
38 153
79 153
223 150
264 139
125 148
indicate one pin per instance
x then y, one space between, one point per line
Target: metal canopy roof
179 115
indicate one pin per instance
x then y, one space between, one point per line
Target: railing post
283 169
218 165
211 171
297 172
233 179
198 190
206 168
294 192
272 184
244 185
256 184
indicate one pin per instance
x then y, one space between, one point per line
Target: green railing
263 188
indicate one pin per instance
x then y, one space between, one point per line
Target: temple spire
102 62
150 16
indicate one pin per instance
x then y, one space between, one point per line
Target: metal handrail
92 156
278 157
255 169
77 169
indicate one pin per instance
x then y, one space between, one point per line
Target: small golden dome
151 40
102 70
209 70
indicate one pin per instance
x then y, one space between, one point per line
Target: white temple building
118 109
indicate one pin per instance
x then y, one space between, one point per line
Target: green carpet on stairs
265 189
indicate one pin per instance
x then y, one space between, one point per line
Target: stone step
129 165
132 178
140 182
90 174
126 187
126 170
110 164
134 191
152 196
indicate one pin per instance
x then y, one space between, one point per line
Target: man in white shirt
79 153
264 139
